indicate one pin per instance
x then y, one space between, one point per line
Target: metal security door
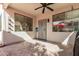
42 33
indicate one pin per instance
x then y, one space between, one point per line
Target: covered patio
22 26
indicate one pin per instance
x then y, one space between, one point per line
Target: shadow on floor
14 43
44 40
68 51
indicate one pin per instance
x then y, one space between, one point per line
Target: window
23 23
66 21
59 17
72 14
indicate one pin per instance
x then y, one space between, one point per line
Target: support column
2 25
3 21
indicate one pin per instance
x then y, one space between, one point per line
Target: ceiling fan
44 6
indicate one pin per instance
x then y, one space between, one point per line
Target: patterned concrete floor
16 49
68 50
22 48
26 49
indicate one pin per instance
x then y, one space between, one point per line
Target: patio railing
11 25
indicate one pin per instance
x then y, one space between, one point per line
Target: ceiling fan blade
50 8
43 10
38 8
50 3
42 4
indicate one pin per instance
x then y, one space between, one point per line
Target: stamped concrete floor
23 48
67 50
16 46
16 49
20 47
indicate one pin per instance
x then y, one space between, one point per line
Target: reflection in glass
23 23
66 21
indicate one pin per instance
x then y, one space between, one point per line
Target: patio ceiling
29 7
